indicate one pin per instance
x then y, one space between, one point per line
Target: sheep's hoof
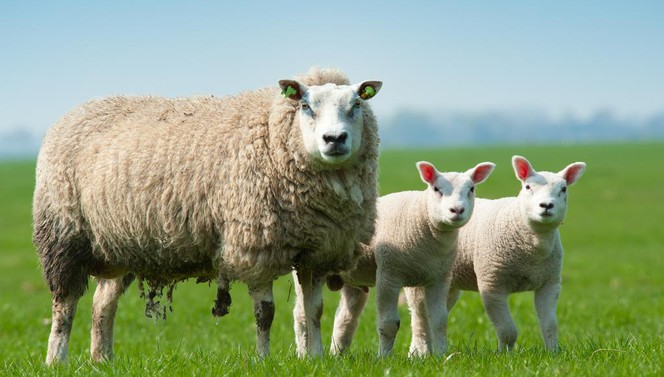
222 303
334 282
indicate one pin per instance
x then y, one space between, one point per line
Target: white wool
413 247
513 245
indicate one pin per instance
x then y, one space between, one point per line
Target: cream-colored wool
513 245
414 246
218 188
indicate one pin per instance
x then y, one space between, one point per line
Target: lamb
513 245
414 247
243 188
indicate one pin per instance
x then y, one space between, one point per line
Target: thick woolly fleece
168 189
505 255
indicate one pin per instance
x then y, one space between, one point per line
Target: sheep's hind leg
307 313
346 318
64 310
65 270
495 304
104 307
264 314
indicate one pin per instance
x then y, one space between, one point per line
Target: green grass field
611 310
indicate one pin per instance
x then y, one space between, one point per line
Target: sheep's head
330 117
451 196
543 198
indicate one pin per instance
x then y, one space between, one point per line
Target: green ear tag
289 91
368 92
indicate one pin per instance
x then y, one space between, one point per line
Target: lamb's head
451 196
543 198
330 117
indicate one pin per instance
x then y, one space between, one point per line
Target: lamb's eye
436 189
564 189
527 187
357 104
472 189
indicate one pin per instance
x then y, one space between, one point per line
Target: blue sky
562 57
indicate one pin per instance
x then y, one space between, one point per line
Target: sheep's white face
451 196
543 197
330 117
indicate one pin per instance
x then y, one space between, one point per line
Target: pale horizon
561 59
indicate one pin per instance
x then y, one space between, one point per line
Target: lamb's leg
546 299
419 344
264 314
346 318
452 298
387 302
64 310
307 313
435 298
495 304
104 307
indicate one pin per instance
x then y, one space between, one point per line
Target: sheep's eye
527 187
564 189
304 106
472 189
436 189
356 105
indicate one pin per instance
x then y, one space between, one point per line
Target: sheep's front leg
419 344
495 304
546 299
435 297
346 318
387 302
307 313
264 314
104 307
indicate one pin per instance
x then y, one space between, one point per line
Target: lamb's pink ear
522 168
481 172
428 172
292 89
573 172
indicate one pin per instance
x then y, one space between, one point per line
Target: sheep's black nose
335 139
458 210
546 205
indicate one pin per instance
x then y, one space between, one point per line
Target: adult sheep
243 188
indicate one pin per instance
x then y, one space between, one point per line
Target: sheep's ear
368 89
481 172
292 89
428 172
522 168
573 172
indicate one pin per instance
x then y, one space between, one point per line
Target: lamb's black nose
546 205
458 210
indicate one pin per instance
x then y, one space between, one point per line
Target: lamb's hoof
334 283
222 303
